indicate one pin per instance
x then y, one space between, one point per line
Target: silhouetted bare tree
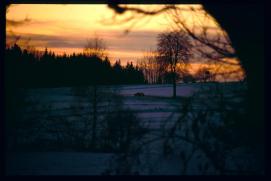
235 19
173 47
95 47
151 67
229 18
212 43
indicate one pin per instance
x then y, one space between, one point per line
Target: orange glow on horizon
65 29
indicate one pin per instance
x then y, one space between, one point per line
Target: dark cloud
131 44
135 41
16 23
52 41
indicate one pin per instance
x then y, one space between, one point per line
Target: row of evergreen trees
25 69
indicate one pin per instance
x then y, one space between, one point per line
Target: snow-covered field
153 109
56 163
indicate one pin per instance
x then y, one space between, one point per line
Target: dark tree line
25 69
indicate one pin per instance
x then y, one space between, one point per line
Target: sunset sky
66 28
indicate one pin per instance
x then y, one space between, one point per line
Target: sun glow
65 29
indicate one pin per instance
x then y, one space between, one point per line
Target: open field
156 110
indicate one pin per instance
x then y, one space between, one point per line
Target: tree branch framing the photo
235 19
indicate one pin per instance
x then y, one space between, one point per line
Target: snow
57 163
154 109
159 90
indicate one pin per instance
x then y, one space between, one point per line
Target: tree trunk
174 82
